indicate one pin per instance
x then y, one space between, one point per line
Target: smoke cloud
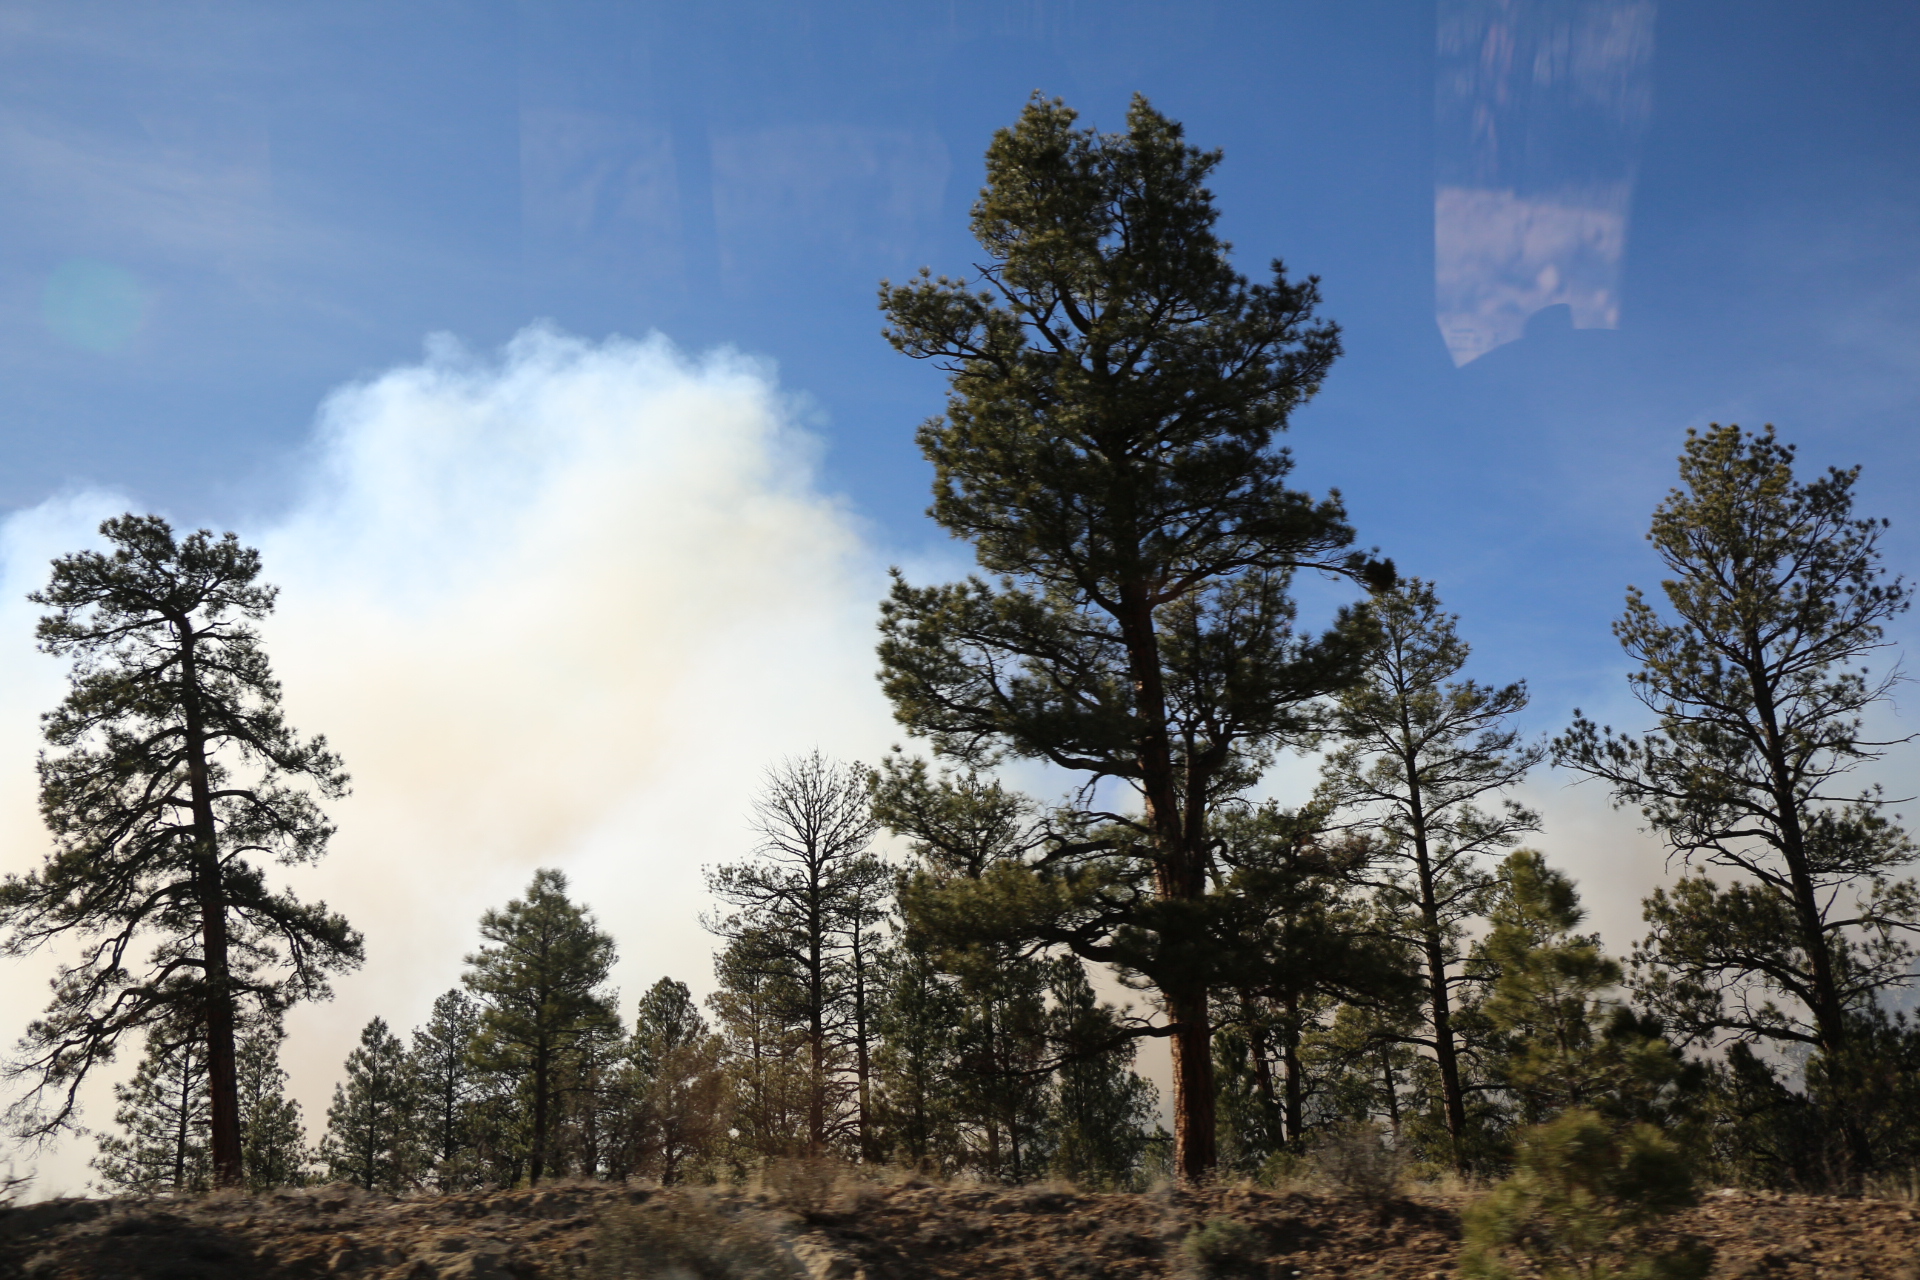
558 607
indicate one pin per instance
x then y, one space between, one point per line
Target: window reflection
1539 110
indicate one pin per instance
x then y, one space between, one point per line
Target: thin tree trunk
1433 944
817 1009
371 1151
862 1056
1392 1087
1445 1053
537 1158
817 1087
184 1130
1290 1073
1259 1049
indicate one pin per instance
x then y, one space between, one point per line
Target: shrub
1579 1207
816 1188
1223 1248
1358 1160
686 1236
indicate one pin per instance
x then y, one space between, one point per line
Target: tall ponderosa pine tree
1107 449
1421 756
171 774
373 1126
1756 675
811 904
539 981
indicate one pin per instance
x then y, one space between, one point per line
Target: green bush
686 1236
1580 1205
1223 1248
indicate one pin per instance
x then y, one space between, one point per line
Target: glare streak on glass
1540 106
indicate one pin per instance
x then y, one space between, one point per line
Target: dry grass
687 1235
815 1188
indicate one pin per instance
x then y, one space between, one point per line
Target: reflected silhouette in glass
1540 106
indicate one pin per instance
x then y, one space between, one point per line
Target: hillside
905 1232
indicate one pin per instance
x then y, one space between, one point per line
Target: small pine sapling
1580 1206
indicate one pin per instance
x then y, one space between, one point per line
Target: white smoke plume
561 607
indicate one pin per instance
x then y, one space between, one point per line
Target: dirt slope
906 1232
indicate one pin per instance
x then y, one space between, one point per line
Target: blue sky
227 231
269 200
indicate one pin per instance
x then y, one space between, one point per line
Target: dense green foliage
538 980
1578 1204
1107 451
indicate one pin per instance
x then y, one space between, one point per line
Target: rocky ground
907 1231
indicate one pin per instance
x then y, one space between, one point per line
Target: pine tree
1106 448
1102 1113
539 983
1583 1205
1421 755
1756 674
162 1113
500 1128
447 1084
963 910
273 1141
760 1005
919 1009
1001 1060
1563 1037
868 909
593 1102
1307 942
677 1082
373 1124
1373 1073
171 766
810 902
